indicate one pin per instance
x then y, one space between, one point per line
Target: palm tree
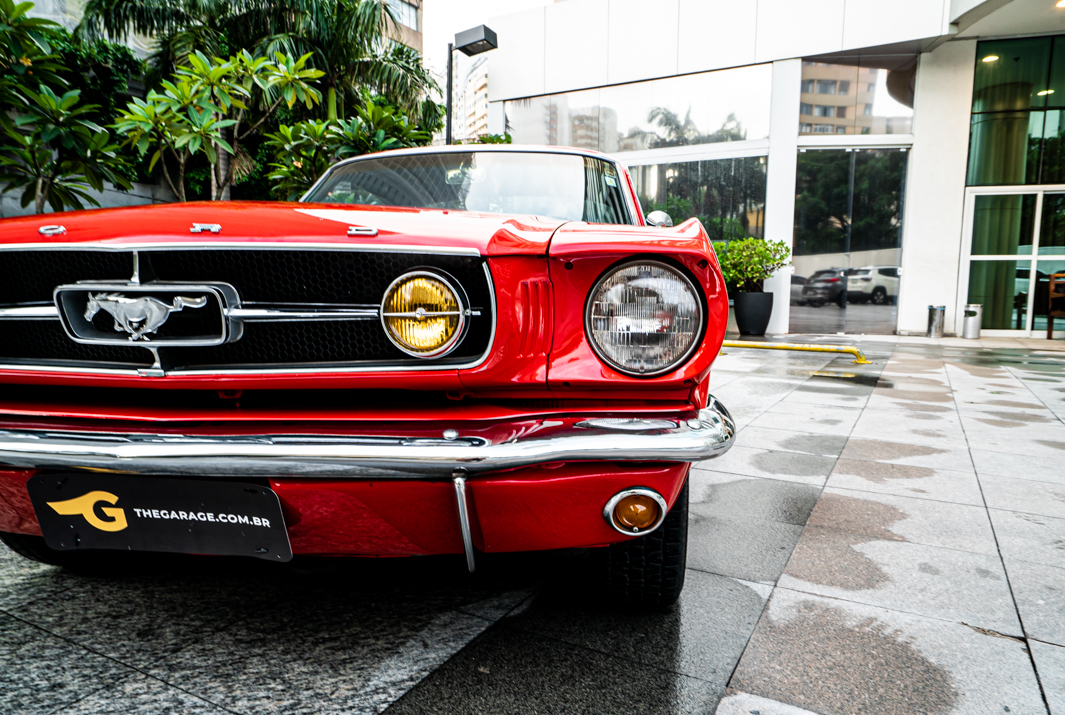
348 39
350 43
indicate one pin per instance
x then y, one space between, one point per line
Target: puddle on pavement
818 659
876 450
879 472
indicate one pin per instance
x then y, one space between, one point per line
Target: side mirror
659 218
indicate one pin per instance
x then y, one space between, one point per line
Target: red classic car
438 351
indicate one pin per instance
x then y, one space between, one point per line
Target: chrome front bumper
325 456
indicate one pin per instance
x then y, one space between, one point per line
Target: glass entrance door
847 243
1016 243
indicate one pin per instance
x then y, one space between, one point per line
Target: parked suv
878 284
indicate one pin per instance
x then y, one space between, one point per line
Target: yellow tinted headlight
423 314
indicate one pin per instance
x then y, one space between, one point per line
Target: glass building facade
1016 211
705 108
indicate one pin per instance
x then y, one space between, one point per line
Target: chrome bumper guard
322 456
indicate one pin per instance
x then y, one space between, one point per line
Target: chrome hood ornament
138 316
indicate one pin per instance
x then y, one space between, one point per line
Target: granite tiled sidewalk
882 539
930 575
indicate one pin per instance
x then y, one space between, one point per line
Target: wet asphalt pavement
886 538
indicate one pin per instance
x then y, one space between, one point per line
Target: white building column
935 186
780 180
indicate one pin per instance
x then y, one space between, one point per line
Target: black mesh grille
31 276
293 276
264 277
45 340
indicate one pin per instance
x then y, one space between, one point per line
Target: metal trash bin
935 320
974 315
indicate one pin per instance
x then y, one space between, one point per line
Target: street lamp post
469 42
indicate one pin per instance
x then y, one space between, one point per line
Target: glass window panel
805 108
532 121
876 211
739 103
722 106
1052 230
885 96
1041 304
624 125
681 111
1011 74
1002 288
1004 148
727 195
830 88
1056 91
578 114
1003 225
1052 167
821 215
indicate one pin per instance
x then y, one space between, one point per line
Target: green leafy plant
350 41
304 151
55 154
208 106
746 263
26 56
489 139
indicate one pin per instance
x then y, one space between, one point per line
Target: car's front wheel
880 296
648 572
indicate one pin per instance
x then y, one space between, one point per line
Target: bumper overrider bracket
343 456
459 480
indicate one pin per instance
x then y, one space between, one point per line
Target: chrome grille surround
265 321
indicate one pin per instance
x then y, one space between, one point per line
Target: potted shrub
746 264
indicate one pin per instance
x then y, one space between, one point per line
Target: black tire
880 296
34 548
648 572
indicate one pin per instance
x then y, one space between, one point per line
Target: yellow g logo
84 505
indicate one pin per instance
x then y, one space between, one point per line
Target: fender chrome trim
335 456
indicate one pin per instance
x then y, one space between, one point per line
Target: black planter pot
752 312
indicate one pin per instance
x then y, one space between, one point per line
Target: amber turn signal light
635 511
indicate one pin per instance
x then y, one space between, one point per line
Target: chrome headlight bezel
463 312
700 302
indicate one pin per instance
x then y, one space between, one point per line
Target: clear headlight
423 314
644 318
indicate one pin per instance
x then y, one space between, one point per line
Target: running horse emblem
138 316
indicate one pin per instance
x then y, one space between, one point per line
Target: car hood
258 222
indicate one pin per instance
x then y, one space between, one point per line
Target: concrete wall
589 43
935 189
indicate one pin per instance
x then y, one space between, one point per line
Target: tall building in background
474 100
408 14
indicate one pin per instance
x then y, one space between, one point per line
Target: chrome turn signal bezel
608 510
463 312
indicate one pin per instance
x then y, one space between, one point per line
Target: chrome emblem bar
140 310
206 227
138 316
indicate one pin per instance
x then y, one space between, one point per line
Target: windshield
562 186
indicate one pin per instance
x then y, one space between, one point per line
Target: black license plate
110 511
